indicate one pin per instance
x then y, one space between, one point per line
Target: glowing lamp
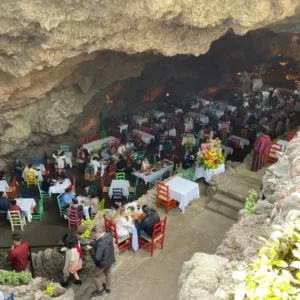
238 73
283 63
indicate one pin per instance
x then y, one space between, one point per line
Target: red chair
234 143
89 139
124 243
47 173
96 137
73 219
158 237
112 169
104 189
81 141
272 156
290 136
163 197
114 132
11 191
74 185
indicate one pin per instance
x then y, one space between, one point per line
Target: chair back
61 210
30 178
112 169
89 139
159 229
163 191
189 175
93 190
37 160
189 145
64 148
110 226
27 193
103 134
40 214
117 194
96 137
81 141
101 204
120 176
73 218
234 143
16 219
276 147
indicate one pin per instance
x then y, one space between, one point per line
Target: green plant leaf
280 263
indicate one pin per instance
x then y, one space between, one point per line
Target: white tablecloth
219 113
153 175
26 204
283 143
123 127
146 137
190 138
3 185
243 142
227 150
184 191
203 118
171 132
99 143
178 110
59 188
121 184
139 119
189 124
195 105
204 102
231 108
158 113
41 168
85 202
209 173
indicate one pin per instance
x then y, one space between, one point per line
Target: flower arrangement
210 154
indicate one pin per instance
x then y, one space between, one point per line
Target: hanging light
108 100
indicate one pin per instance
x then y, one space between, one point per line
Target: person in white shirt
95 162
124 223
60 159
121 149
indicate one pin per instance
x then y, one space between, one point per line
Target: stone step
222 210
228 201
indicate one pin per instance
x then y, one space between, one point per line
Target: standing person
60 160
73 259
103 254
18 255
18 168
262 146
81 156
4 202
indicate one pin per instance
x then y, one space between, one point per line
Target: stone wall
281 185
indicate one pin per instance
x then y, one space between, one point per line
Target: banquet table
39 170
203 118
153 175
189 137
139 119
183 191
85 202
98 143
3 185
27 205
227 150
243 142
121 184
283 143
123 127
158 113
146 137
208 173
60 187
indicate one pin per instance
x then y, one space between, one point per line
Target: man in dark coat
145 226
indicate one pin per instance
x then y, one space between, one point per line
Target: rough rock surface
241 245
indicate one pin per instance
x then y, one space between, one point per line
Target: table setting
60 186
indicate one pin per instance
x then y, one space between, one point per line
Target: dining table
208 174
121 184
98 143
243 142
27 205
3 185
60 186
157 113
183 191
202 118
139 119
146 137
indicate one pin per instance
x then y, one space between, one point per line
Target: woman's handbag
75 267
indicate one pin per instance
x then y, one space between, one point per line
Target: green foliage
87 225
51 289
15 278
3 254
249 203
275 274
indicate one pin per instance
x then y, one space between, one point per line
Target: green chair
120 176
40 214
93 190
132 191
43 195
176 168
189 175
103 134
141 155
151 159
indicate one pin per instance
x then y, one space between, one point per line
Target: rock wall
279 203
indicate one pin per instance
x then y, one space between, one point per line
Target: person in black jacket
4 202
103 254
145 226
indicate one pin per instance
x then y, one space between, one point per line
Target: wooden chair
132 190
40 214
118 195
112 169
158 237
96 137
103 134
189 145
26 193
290 136
81 141
244 133
122 244
189 175
16 219
163 197
176 168
101 204
120 176
272 156
62 211
104 189
43 195
31 178
73 219
64 148
89 139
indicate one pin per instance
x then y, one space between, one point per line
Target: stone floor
139 276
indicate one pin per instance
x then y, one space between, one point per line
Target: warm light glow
238 73
92 122
108 100
292 77
213 89
283 63
153 93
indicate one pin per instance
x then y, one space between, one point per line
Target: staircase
230 195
